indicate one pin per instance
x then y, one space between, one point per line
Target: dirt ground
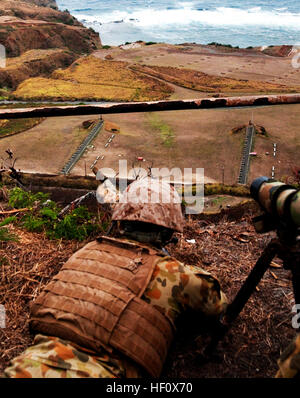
238 64
200 139
214 203
46 147
227 248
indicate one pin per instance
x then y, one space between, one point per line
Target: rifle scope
280 200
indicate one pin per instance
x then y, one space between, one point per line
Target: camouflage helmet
151 201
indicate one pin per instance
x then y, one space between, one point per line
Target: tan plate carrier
95 301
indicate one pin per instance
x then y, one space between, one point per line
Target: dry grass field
31 55
200 81
91 78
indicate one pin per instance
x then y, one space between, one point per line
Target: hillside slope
39 25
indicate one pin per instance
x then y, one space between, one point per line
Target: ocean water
239 23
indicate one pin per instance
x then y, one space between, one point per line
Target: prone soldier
113 309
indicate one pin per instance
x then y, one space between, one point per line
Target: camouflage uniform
289 361
173 289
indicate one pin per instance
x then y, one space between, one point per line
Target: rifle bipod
290 254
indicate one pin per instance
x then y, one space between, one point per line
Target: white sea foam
186 15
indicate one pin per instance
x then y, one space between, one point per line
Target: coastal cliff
26 26
39 25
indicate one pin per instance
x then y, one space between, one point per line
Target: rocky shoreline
41 41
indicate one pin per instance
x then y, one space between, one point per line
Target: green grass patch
5 234
22 105
9 127
219 189
165 131
57 181
218 201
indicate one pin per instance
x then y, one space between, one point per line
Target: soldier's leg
289 361
51 357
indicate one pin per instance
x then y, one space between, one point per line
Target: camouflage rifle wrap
278 199
295 208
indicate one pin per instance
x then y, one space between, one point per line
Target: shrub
20 199
213 43
76 225
5 235
44 217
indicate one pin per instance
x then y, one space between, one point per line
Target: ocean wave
186 15
82 9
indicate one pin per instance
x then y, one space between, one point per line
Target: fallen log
151 106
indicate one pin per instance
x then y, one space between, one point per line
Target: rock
44 66
260 130
38 25
277 51
87 123
25 26
192 241
22 38
238 129
130 46
111 127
